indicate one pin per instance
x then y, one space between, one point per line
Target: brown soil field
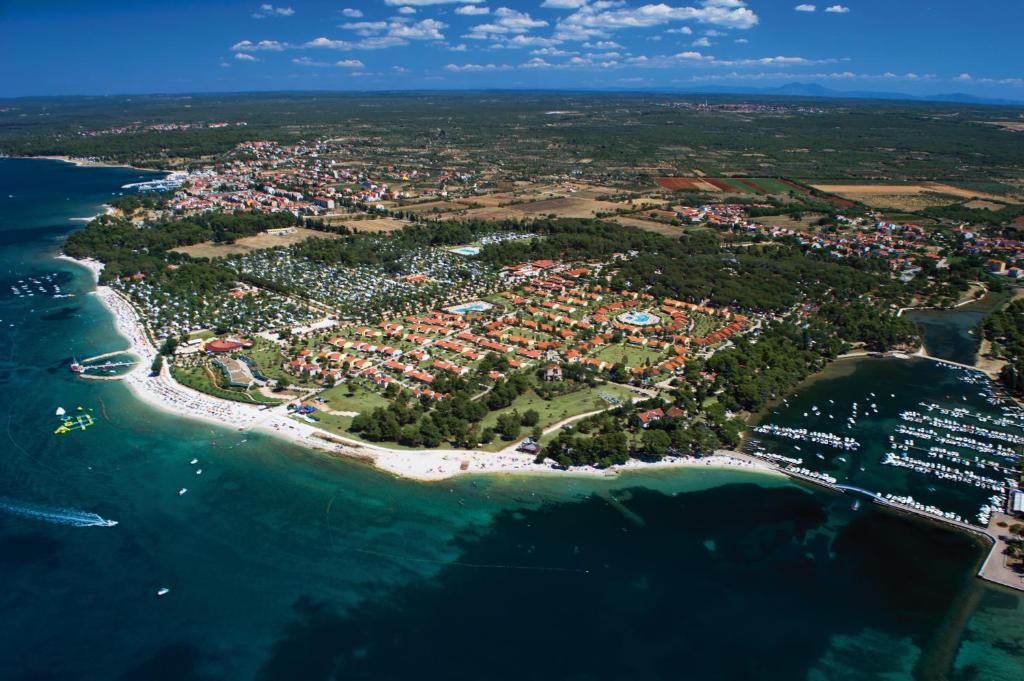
429 206
1012 126
248 244
566 207
375 225
787 221
985 205
686 183
867 190
649 225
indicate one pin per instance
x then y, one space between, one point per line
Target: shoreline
86 163
164 393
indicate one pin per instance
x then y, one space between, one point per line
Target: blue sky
124 46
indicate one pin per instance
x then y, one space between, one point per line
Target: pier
993 569
82 367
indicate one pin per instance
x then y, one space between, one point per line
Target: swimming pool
475 306
638 318
466 250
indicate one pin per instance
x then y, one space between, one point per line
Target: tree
531 417
656 442
158 365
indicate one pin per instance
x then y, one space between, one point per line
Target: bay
287 564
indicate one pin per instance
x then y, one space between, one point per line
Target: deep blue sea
287 564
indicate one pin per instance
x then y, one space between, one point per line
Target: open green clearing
630 355
555 410
199 379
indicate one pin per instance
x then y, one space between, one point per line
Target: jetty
81 367
994 568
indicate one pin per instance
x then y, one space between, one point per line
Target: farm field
209 249
730 185
907 196
649 225
371 226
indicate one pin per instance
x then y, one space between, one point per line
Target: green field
771 185
557 409
352 397
199 379
270 361
630 355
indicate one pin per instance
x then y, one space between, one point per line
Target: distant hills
820 91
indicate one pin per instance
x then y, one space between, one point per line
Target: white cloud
429 3
535 63
398 29
352 13
551 52
399 69
603 45
701 42
426 29
263 45
518 41
685 30
806 8
472 10
963 76
458 68
563 4
837 9
604 16
458 48
506 21
328 43
244 56
267 10
366 28
407 10
343 63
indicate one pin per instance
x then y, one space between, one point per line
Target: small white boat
163 591
194 461
181 492
199 471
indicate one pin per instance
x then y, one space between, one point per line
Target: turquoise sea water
285 564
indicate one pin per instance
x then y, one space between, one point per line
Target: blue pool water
475 306
638 318
466 250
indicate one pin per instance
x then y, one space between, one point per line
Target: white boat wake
57 516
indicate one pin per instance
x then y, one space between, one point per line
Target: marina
950 454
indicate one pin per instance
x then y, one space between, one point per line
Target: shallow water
286 564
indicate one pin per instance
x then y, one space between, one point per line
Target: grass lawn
704 324
269 360
630 355
352 397
200 379
553 411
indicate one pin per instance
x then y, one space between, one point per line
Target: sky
64 47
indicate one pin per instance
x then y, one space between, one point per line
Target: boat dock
993 569
81 367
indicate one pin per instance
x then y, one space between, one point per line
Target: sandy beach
88 163
163 392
